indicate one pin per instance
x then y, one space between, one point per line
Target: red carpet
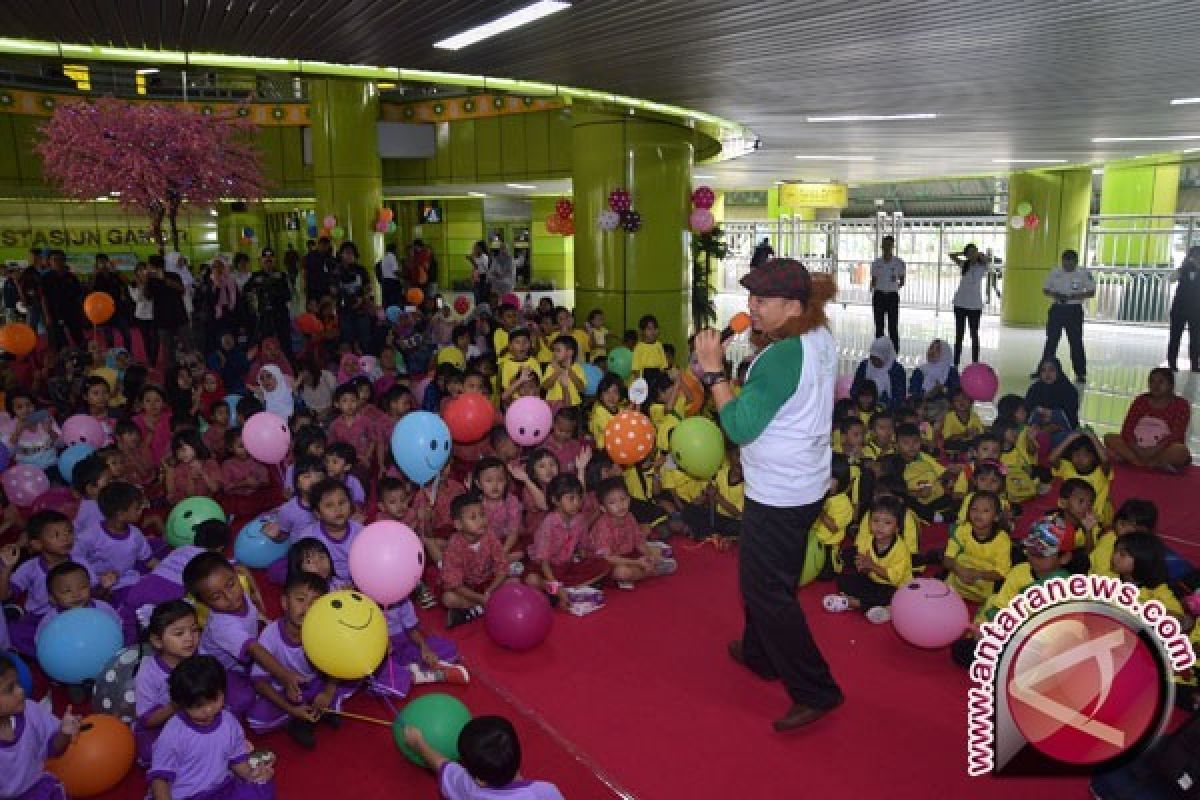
641 700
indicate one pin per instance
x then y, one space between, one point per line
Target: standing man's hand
709 352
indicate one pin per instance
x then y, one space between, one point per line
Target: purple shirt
457 784
5 641
22 761
339 549
30 578
293 516
54 611
171 567
108 552
401 618
150 687
227 637
354 486
193 759
88 514
287 651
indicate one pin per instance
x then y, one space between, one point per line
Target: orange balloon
18 338
693 392
98 759
308 323
99 307
629 437
739 322
552 223
414 296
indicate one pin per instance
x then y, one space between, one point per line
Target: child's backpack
1168 771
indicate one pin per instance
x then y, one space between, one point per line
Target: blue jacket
896 397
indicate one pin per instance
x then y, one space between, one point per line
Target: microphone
738 324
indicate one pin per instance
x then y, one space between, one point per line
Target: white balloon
639 390
1017 222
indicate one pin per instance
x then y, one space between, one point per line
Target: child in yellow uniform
910 531
837 513
547 332
987 450
925 478
1134 516
648 353
609 395
1140 559
979 553
1075 499
853 442
986 476
881 438
882 565
866 401
730 497
1081 455
518 362
597 333
1018 454
564 380
500 336
961 425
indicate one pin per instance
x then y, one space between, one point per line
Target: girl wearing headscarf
276 392
937 375
269 352
882 369
212 390
1053 404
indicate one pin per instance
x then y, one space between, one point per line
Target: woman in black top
353 286
105 279
1185 310
170 314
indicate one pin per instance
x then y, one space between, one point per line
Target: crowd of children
561 516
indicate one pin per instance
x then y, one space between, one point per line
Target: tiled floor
1119 357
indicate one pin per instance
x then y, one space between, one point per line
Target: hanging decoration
1024 208
701 220
631 221
564 208
704 197
1031 221
1017 222
608 220
619 201
552 223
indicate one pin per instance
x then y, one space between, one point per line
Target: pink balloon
511 299
928 613
841 387
267 437
701 220
386 561
24 483
59 498
518 617
529 420
979 382
84 429
703 197
330 222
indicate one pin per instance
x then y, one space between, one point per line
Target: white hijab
882 349
935 373
278 401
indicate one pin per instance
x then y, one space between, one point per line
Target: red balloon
518 617
308 324
553 221
1032 220
566 226
461 304
564 208
469 417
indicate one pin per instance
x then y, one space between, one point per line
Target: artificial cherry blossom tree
151 157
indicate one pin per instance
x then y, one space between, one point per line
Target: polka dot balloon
619 201
631 221
629 437
114 693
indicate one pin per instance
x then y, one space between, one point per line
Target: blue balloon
24 676
393 314
255 549
592 375
232 400
5 457
69 458
77 644
421 446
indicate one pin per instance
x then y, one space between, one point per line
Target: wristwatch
710 379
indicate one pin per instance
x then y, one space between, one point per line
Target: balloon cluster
562 221
1025 218
619 213
701 219
385 221
330 227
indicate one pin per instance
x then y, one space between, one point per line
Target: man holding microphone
782 421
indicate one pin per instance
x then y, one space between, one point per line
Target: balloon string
362 717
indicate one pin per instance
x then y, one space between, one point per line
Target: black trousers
1068 318
866 591
1179 320
887 305
963 316
777 642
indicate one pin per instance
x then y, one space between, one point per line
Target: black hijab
1059 396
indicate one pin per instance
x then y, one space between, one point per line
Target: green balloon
1024 207
698 447
620 361
339 232
439 717
187 513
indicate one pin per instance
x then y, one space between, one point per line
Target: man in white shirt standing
887 278
1068 286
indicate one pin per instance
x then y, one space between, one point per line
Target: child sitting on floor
340 458
334 526
882 564
1081 455
194 471
618 538
30 734
1134 516
925 478
961 425
174 634
557 553
837 514
979 553
116 546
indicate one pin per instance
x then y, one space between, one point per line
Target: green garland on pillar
707 248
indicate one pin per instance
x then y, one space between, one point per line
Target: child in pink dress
558 555
194 471
246 479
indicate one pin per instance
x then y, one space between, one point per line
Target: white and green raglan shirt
783 418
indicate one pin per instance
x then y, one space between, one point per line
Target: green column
1143 190
1062 200
631 274
347 172
230 225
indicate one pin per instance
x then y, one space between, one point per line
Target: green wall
1142 189
553 253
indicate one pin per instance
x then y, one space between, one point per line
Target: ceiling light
836 158
1098 171
522 16
526 186
1182 138
1185 101
385 85
147 70
476 194
870 117
703 177
1029 161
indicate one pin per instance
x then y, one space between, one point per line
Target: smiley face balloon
421 445
345 635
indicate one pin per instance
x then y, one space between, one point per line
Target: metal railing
1134 259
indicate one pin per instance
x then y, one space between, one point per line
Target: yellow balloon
345 635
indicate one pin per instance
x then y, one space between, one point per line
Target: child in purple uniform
29 734
165 581
88 478
340 459
231 634
116 545
334 527
297 513
491 763
415 657
174 634
69 586
281 638
202 752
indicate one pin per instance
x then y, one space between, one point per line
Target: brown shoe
735 652
800 715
